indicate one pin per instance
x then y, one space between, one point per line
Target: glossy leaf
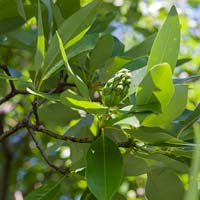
156 87
104 168
164 184
165 48
76 79
175 107
74 101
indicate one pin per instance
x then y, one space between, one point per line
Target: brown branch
12 130
61 137
5 69
62 171
11 94
34 104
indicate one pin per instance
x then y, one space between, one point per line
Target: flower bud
116 88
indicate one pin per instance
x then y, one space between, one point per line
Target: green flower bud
116 88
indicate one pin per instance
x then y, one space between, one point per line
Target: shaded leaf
48 191
141 49
164 184
104 168
20 7
153 135
101 52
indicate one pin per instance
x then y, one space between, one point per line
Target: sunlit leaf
77 80
166 44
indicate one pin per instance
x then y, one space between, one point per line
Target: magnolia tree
83 109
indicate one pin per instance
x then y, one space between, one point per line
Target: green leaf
136 165
87 43
104 168
40 52
71 27
153 135
166 44
78 102
193 192
10 18
175 107
194 116
156 87
101 52
76 38
136 64
20 7
169 162
141 49
76 79
52 97
68 7
164 184
55 115
20 78
48 191
112 65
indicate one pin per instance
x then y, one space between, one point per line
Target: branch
62 171
61 137
12 130
13 91
5 69
11 94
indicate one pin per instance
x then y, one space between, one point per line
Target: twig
5 69
61 137
12 130
11 94
34 104
62 171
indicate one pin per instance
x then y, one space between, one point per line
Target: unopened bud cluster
116 88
